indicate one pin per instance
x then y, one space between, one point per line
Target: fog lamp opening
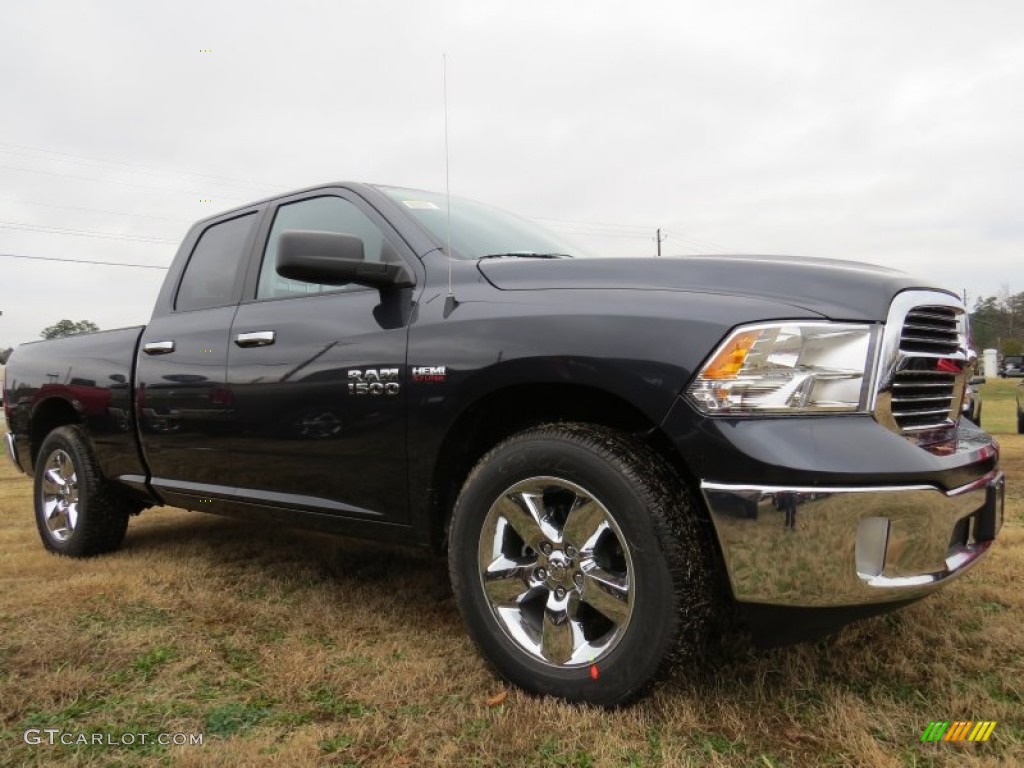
872 542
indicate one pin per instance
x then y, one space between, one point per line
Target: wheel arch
506 411
47 415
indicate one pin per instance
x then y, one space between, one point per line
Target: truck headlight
794 367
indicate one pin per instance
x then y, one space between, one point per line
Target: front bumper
837 514
843 546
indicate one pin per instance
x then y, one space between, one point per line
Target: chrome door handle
158 347
256 339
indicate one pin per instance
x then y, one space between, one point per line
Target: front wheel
77 513
577 563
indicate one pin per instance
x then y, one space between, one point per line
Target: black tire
978 420
84 515
663 558
1020 422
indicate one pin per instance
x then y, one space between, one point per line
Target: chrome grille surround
922 366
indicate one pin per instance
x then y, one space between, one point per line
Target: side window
321 214
209 278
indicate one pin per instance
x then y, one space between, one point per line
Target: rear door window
211 277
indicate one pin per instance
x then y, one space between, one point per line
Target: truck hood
841 290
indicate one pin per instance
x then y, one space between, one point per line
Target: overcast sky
888 132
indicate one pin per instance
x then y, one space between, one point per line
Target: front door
317 374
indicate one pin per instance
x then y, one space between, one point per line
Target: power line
99 210
573 227
80 261
19 150
113 181
85 233
593 231
599 224
647 235
698 245
639 231
601 234
703 242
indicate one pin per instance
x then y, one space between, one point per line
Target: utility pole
659 239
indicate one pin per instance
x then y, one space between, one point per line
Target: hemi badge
429 373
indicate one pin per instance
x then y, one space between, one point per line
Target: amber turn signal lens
728 361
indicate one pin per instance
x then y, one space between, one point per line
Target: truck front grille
931 329
922 399
923 359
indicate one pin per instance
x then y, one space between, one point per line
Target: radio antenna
449 301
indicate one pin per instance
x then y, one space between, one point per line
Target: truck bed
91 375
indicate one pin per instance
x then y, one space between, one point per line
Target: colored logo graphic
961 730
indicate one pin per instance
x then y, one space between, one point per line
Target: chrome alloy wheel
556 572
60 495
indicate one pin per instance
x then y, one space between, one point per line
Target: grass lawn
287 648
998 405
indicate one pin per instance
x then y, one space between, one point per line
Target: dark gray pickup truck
611 451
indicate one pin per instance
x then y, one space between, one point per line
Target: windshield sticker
420 205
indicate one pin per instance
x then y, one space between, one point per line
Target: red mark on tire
593 672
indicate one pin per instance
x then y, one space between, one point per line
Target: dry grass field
287 648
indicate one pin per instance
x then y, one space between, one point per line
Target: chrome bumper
12 450
815 547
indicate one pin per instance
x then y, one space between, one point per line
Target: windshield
479 230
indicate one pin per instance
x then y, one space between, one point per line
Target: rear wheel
577 563
77 512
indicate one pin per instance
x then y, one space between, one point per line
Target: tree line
58 330
997 322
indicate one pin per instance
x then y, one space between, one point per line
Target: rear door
317 375
183 403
